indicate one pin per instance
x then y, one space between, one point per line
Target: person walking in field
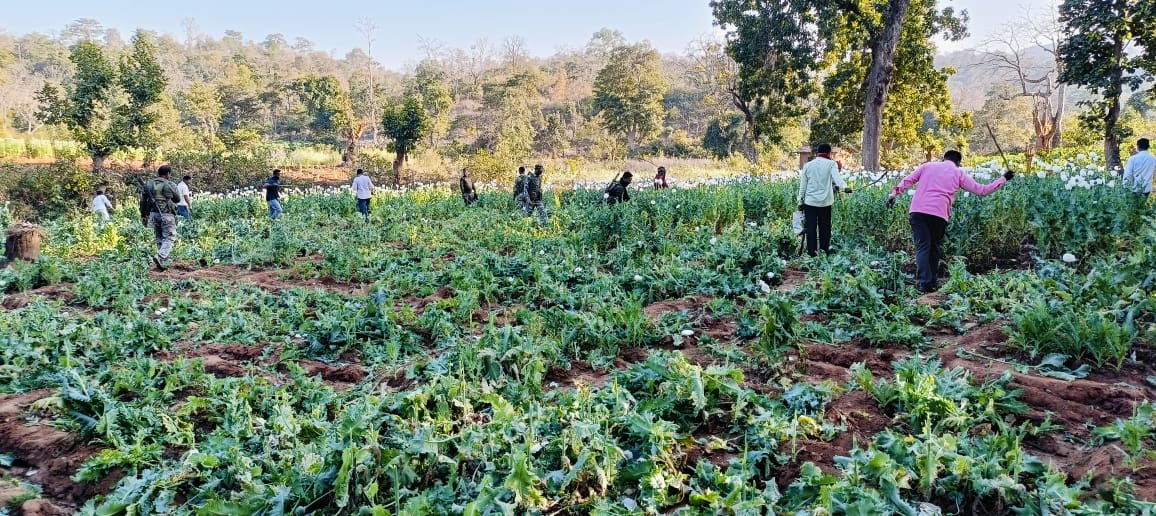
101 205
521 196
818 183
660 179
363 190
186 198
616 192
936 184
273 194
466 185
534 195
1138 170
158 209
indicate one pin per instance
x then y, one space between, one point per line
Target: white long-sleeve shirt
101 203
363 187
816 181
1138 172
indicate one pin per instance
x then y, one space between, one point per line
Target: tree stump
23 242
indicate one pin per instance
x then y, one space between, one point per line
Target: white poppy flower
764 287
686 333
713 240
578 270
1068 258
637 278
770 275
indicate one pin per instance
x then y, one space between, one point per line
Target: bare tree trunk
1112 114
1058 119
23 242
879 81
349 153
397 163
98 162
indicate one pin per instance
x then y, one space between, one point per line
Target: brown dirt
579 373
274 280
222 360
692 305
47 456
503 315
419 304
57 292
792 279
833 363
333 375
42 507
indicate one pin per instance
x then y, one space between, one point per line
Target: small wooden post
804 155
23 242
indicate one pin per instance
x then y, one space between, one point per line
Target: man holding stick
937 184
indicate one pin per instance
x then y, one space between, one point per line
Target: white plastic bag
797 222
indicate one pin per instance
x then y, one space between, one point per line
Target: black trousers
927 231
817 228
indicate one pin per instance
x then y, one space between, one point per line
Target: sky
403 25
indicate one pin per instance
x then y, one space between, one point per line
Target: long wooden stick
997 147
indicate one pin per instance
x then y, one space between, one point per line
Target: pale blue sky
545 25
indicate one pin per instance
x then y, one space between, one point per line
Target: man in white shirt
186 198
817 185
1138 170
101 205
363 190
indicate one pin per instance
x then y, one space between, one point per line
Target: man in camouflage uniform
158 209
466 185
520 195
534 195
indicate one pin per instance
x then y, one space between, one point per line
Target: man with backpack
535 205
520 195
158 209
616 192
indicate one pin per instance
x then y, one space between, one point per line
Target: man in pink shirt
936 185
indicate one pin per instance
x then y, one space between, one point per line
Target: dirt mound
274 280
57 292
792 279
222 360
419 304
691 305
47 456
833 363
348 374
577 373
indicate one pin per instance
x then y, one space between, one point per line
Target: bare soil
274 280
55 292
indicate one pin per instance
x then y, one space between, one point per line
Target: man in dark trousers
273 194
936 185
534 195
466 185
158 209
818 183
616 192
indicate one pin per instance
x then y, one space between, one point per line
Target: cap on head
360 172
823 148
953 156
1142 144
165 171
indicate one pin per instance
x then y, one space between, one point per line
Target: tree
716 74
1108 46
628 93
1014 52
777 49
332 113
87 109
404 121
429 85
885 50
143 80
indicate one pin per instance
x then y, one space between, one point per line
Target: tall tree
628 93
1109 46
777 48
332 113
404 121
429 85
87 107
1013 52
143 80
